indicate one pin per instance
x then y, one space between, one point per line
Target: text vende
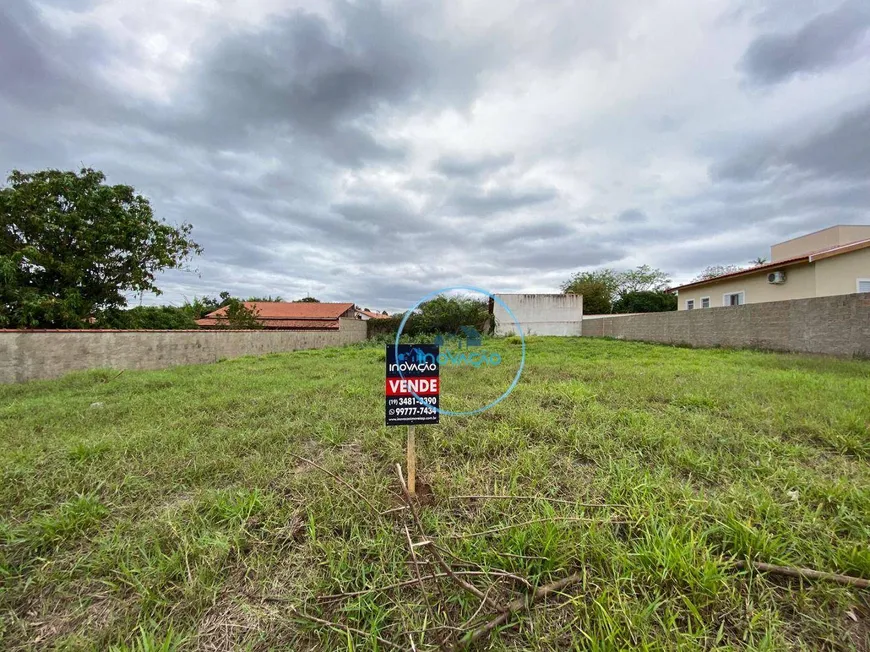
411 386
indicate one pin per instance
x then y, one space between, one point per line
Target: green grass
162 519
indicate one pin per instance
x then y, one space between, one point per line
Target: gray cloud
321 83
465 166
836 150
823 42
320 150
487 202
41 68
843 150
564 255
631 216
538 230
386 216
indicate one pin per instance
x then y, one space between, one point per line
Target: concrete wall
838 325
540 314
825 277
35 355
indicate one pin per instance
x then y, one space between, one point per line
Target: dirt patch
227 624
857 624
67 615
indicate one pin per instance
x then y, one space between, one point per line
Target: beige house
832 261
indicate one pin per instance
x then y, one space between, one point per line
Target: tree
446 314
596 297
609 278
442 314
71 246
199 308
307 300
603 287
599 288
148 318
714 271
643 279
239 317
268 299
645 301
755 262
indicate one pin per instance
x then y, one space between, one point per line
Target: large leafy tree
599 289
643 279
645 301
443 314
603 289
149 318
597 296
71 246
240 317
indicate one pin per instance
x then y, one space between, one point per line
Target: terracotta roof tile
287 310
282 314
295 324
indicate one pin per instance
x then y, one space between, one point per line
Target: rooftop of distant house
371 314
818 245
287 315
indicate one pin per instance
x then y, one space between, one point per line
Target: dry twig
470 588
468 622
419 575
513 607
805 573
400 508
344 628
500 572
388 587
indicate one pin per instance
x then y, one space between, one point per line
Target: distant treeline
440 315
179 317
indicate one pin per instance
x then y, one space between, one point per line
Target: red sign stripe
404 386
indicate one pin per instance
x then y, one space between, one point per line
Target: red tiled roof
797 260
373 315
280 314
287 310
297 324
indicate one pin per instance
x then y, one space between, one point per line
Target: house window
733 299
690 304
705 302
864 285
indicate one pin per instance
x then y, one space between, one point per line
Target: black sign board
414 370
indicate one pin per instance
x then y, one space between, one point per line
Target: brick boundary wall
838 325
38 355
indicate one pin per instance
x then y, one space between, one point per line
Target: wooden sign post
412 389
412 462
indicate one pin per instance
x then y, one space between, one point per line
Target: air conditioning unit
777 278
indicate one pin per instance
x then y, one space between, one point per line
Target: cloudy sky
376 151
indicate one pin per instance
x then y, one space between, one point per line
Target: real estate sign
412 384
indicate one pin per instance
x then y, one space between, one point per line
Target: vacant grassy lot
154 509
